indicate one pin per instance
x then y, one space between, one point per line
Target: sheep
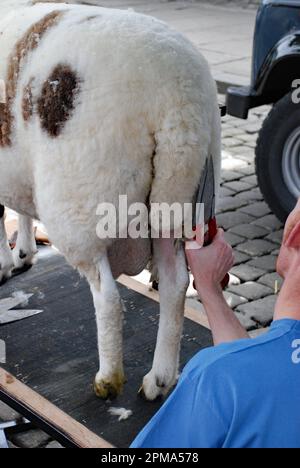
101 103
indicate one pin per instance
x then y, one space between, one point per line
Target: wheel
278 157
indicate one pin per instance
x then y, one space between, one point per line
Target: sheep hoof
146 396
5 273
6 266
154 387
109 388
23 260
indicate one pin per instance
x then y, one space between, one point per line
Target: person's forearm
224 324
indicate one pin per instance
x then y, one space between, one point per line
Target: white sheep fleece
145 90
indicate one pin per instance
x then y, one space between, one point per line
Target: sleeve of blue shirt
187 419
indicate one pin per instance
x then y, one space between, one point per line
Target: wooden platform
55 353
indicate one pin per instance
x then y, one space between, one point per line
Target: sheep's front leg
109 312
6 259
173 284
25 249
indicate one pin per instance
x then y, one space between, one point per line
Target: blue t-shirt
245 394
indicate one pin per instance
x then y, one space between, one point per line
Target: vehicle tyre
278 157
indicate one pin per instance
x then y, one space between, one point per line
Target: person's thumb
192 246
220 235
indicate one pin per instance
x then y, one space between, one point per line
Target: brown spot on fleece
23 47
56 103
27 102
4 127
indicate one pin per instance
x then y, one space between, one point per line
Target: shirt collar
286 323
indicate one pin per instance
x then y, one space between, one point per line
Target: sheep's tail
185 141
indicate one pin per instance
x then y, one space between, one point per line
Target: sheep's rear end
103 103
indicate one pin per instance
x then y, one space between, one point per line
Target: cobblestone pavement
31 439
252 230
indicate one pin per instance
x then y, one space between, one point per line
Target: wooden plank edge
190 313
55 417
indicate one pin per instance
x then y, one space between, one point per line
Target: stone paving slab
246 322
270 222
247 273
260 311
230 203
250 231
276 236
53 445
7 414
256 247
270 280
267 262
31 439
234 300
233 239
226 192
258 210
250 180
252 195
238 186
233 218
240 258
252 291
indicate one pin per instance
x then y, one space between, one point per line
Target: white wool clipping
22 297
123 413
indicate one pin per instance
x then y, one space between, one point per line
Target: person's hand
209 265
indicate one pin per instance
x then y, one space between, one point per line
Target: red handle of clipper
212 232
209 237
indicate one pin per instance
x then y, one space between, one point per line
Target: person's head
289 256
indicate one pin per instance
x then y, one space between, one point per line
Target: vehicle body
275 78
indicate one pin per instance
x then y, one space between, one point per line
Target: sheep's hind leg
109 313
25 250
173 284
6 258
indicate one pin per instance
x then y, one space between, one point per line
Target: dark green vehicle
275 80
